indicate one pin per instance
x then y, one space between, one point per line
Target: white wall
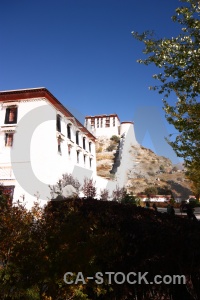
34 155
100 129
127 140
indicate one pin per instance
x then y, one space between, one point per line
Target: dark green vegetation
37 248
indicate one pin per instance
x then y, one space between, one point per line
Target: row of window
77 154
99 122
9 142
69 136
11 118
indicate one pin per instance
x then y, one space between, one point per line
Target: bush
151 173
67 179
130 199
104 194
151 190
89 188
118 193
115 138
111 147
162 168
95 236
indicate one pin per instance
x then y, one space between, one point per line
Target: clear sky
83 52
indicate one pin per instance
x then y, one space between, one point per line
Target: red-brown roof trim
128 122
102 116
13 95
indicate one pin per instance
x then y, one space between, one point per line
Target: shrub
130 199
151 190
67 179
115 138
89 188
104 194
118 193
162 168
111 147
150 173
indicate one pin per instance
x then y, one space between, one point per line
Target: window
8 192
69 131
92 122
11 115
90 162
9 139
69 150
77 137
97 122
84 159
113 121
77 154
101 122
107 121
58 123
90 146
59 146
83 142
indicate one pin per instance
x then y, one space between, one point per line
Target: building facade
39 141
107 126
103 125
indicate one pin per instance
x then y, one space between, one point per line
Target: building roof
21 94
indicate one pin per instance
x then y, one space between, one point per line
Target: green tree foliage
111 147
178 60
130 199
115 138
151 190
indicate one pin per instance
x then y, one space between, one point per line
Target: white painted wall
127 140
41 165
100 129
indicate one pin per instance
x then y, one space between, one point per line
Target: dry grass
105 155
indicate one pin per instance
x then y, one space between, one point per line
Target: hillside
147 169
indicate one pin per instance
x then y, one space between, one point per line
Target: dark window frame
84 143
69 135
77 137
78 156
58 123
11 110
7 135
90 147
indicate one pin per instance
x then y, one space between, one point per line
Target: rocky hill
147 169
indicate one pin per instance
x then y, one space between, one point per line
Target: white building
107 126
103 125
39 141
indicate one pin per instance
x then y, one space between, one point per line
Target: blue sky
84 53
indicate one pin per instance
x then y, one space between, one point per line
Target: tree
178 60
151 190
104 194
118 193
89 188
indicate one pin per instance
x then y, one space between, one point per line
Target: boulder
69 191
